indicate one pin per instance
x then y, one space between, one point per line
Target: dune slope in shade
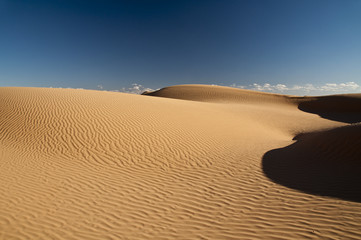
345 108
80 164
325 163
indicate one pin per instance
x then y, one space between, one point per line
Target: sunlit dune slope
82 164
123 128
208 93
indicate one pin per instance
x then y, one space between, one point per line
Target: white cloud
135 89
235 86
301 89
349 86
305 89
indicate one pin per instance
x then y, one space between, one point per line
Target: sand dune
344 108
207 93
82 164
325 163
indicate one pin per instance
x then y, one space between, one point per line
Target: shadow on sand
324 163
341 108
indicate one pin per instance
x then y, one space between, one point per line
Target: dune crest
220 94
83 164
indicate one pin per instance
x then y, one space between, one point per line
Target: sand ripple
81 164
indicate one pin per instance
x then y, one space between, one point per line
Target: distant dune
183 162
207 93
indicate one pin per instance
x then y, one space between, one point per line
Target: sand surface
184 162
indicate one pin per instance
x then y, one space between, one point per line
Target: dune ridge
84 164
220 94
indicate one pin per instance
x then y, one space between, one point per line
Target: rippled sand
184 162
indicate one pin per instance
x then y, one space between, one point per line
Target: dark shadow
342 108
324 163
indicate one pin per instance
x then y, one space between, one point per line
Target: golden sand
187 162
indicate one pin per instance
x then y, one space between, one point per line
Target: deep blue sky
82 44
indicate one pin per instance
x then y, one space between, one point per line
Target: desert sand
183 162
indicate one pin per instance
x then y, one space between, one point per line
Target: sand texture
183 162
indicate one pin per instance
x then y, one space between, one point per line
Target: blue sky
312 46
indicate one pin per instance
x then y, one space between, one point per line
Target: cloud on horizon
134 89
306 89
